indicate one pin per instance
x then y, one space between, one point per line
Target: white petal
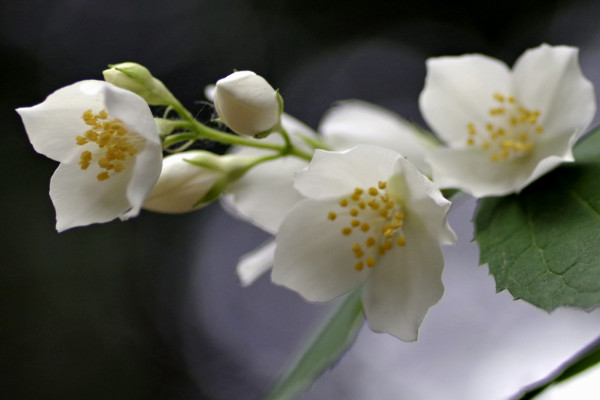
132 110
550 80
252 265
459 91
404 284
423 198
472 171
312 256
80 199
355 122
53 125
336 174
265 194
135 113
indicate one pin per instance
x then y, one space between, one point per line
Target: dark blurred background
150 308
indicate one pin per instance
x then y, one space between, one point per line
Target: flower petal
336 174
355 122
265 194
312 256
459 91
53 125
425 199
472 171
80 199
549 79
404 284
252 265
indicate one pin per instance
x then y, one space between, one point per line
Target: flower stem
201 131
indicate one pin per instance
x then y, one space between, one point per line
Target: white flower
265 194
369 217
246 103
107 143
504 129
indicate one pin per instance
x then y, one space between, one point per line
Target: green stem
204 132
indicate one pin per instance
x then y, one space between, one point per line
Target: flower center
510 132
113 144
376 221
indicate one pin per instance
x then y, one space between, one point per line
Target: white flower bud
139 80
246 103
181 184
192 179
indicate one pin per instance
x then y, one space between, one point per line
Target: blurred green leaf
586 358
543 245
322 351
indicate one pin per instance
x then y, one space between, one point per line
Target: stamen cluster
511 135
111 136
377 216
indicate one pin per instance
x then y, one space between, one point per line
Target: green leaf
543 245
323 350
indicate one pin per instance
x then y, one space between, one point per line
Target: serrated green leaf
543 245
325 348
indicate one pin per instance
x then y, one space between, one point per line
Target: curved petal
132 110
135 113
252 265
459 91
424 198
146 171
336 174
53 125
404 284
550 80
472 171
313 257
265 194
80 199
355 122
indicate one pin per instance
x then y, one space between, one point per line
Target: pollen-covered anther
380 216
508 134
114 143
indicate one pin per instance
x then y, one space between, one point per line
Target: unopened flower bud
138 79
192 179
247 104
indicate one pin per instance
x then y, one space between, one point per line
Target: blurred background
150 308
